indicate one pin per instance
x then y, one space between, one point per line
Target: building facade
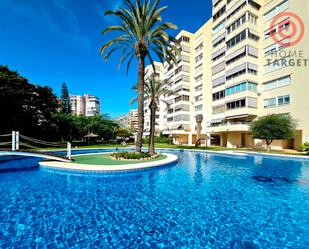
133 117
232 71
87 105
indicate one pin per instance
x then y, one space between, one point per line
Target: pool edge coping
170 158
227 152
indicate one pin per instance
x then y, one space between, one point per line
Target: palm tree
142 35
154 90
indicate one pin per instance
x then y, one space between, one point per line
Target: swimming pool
204 201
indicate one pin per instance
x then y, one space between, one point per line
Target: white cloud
57 15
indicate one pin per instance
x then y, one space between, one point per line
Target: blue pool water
204 201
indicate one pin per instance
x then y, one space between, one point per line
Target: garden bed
107 159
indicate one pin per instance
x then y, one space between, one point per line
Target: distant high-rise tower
87 105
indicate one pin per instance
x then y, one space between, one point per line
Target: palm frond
140 27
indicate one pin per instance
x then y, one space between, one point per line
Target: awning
240 116
216 120
218 81
236 70
91 135
236 53
220 51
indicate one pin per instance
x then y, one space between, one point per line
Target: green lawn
103 159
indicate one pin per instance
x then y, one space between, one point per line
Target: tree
25 107
123 133
154 90
142 35
65 99
273 127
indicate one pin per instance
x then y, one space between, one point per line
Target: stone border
170 158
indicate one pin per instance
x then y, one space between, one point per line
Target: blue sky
55 41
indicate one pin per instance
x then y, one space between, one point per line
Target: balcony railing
230 123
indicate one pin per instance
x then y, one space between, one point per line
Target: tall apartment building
161 122
133 117
231 71
87 105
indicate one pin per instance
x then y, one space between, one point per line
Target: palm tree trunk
140 92
153 109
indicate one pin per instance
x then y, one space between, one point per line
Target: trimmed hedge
131 155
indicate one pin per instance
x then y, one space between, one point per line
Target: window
218 109
218 95
240 70
219 13
284 81
199 58
252 18
184 39
236 24
182 117
246 86
276 47
199 97
236 39
199 48
275 65
217 3
279 101
178 70
281 26
182 98
182 108
185 49
218 56
198 68
240 53
218 28
236 74
269 102
199 78
254 4
237 9
284 100
253 36
218 42
218 68
198 108
236 104
198 88
276 10
236 58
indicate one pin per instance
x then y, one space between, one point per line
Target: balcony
229 127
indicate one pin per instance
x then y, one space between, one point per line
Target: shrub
304 148
131 155
273 127
160 139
